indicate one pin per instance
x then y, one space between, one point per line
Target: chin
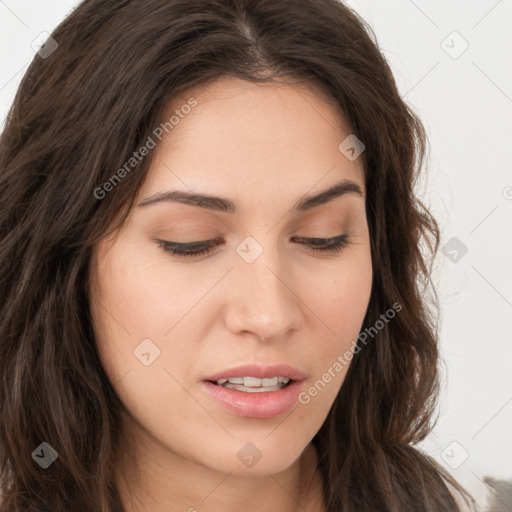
257 458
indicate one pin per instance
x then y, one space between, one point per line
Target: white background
465 102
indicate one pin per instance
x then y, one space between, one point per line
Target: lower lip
264 404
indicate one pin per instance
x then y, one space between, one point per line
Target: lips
258 405
261 372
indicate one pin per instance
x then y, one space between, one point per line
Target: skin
265 147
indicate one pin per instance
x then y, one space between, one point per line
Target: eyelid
328 245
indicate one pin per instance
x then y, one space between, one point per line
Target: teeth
267 382
254 382
238 387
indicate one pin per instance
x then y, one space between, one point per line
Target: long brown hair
79 114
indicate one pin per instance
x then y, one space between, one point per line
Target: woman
211 286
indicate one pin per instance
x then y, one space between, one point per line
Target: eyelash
326 245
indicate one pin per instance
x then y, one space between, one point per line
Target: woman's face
166 323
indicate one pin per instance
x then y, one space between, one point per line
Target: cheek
340 299
125 309
341 307
139 309
341 294
139 296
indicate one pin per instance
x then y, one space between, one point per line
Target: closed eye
327 245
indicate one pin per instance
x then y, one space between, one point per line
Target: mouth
253 384
255 391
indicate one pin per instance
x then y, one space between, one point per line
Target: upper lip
259 371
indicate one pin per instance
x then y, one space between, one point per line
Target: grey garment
500 499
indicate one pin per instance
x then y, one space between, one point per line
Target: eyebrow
222 204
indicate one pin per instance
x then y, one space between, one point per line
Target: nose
262 300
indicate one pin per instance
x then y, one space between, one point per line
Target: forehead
242 137
259 108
